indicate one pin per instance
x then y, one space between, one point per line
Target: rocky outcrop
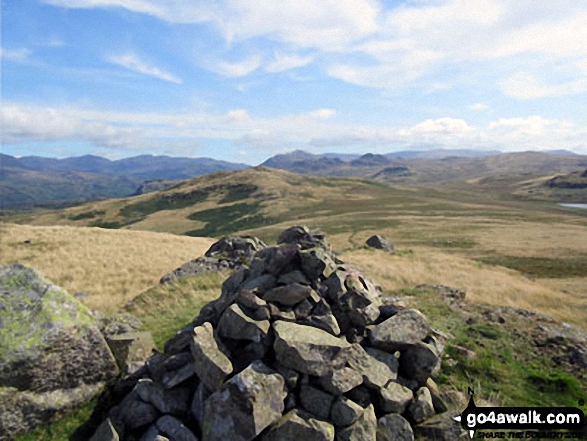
380 243
228 253
298 345
52 355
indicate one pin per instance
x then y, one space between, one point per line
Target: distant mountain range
38 181
35 180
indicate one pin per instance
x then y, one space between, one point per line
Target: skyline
243 81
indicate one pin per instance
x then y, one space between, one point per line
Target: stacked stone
297 346
227 253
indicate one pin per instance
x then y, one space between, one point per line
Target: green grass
229 219
543 267
238 192
173 201
507 368
87 215
165 309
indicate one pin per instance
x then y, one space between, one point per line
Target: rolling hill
36 181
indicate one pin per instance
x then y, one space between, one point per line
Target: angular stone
290 376
260 285
245 405
380 243
274 260
169 401
345 412
131 347
335 285
135 413
407 327
340 381
297 425
172 378
308 350
418 361
303 309
315 401
421 408
376 366
211 365
295 276
197 408
249 299
289 295
316 263
282 313
394 427
325 322
441 427
235 324
105 432
364 428
173 429
361 395
394 398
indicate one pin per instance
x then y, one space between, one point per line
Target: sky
243 80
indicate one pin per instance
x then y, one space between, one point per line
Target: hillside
538 240
33 180
108 267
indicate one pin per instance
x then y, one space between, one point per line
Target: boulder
380 243
211 365
394 398
345 412
407 327
131 349
421 408
52 354
308 350
235 324
363 429
394 427
297 425
245 405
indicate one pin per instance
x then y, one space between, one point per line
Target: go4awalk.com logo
523 422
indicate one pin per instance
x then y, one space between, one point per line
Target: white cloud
524 85
236 69
18 55
282 62
479 106
132 62
163 132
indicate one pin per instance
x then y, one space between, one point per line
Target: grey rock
131 347
340 381
380 243
235 324
326 322
361 395
295 276
315 401
135 413
168 401
105 432
260 284
421 407
116 324
364 428
197 408
303 309
418 362
245 405
303 236
173 429
297 425
407 327
394 398
289 295
377 367
50 347
290 376
345 412
211 365
441 427
274 260
308 350
248 299
282 313
394 427
316 262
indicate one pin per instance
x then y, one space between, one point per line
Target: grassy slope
452 237
112 266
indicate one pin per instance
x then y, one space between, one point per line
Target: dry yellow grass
112 266
483 283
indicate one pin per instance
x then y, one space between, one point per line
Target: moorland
489 226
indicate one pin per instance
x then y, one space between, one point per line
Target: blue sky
242 80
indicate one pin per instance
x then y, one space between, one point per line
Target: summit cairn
297 346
